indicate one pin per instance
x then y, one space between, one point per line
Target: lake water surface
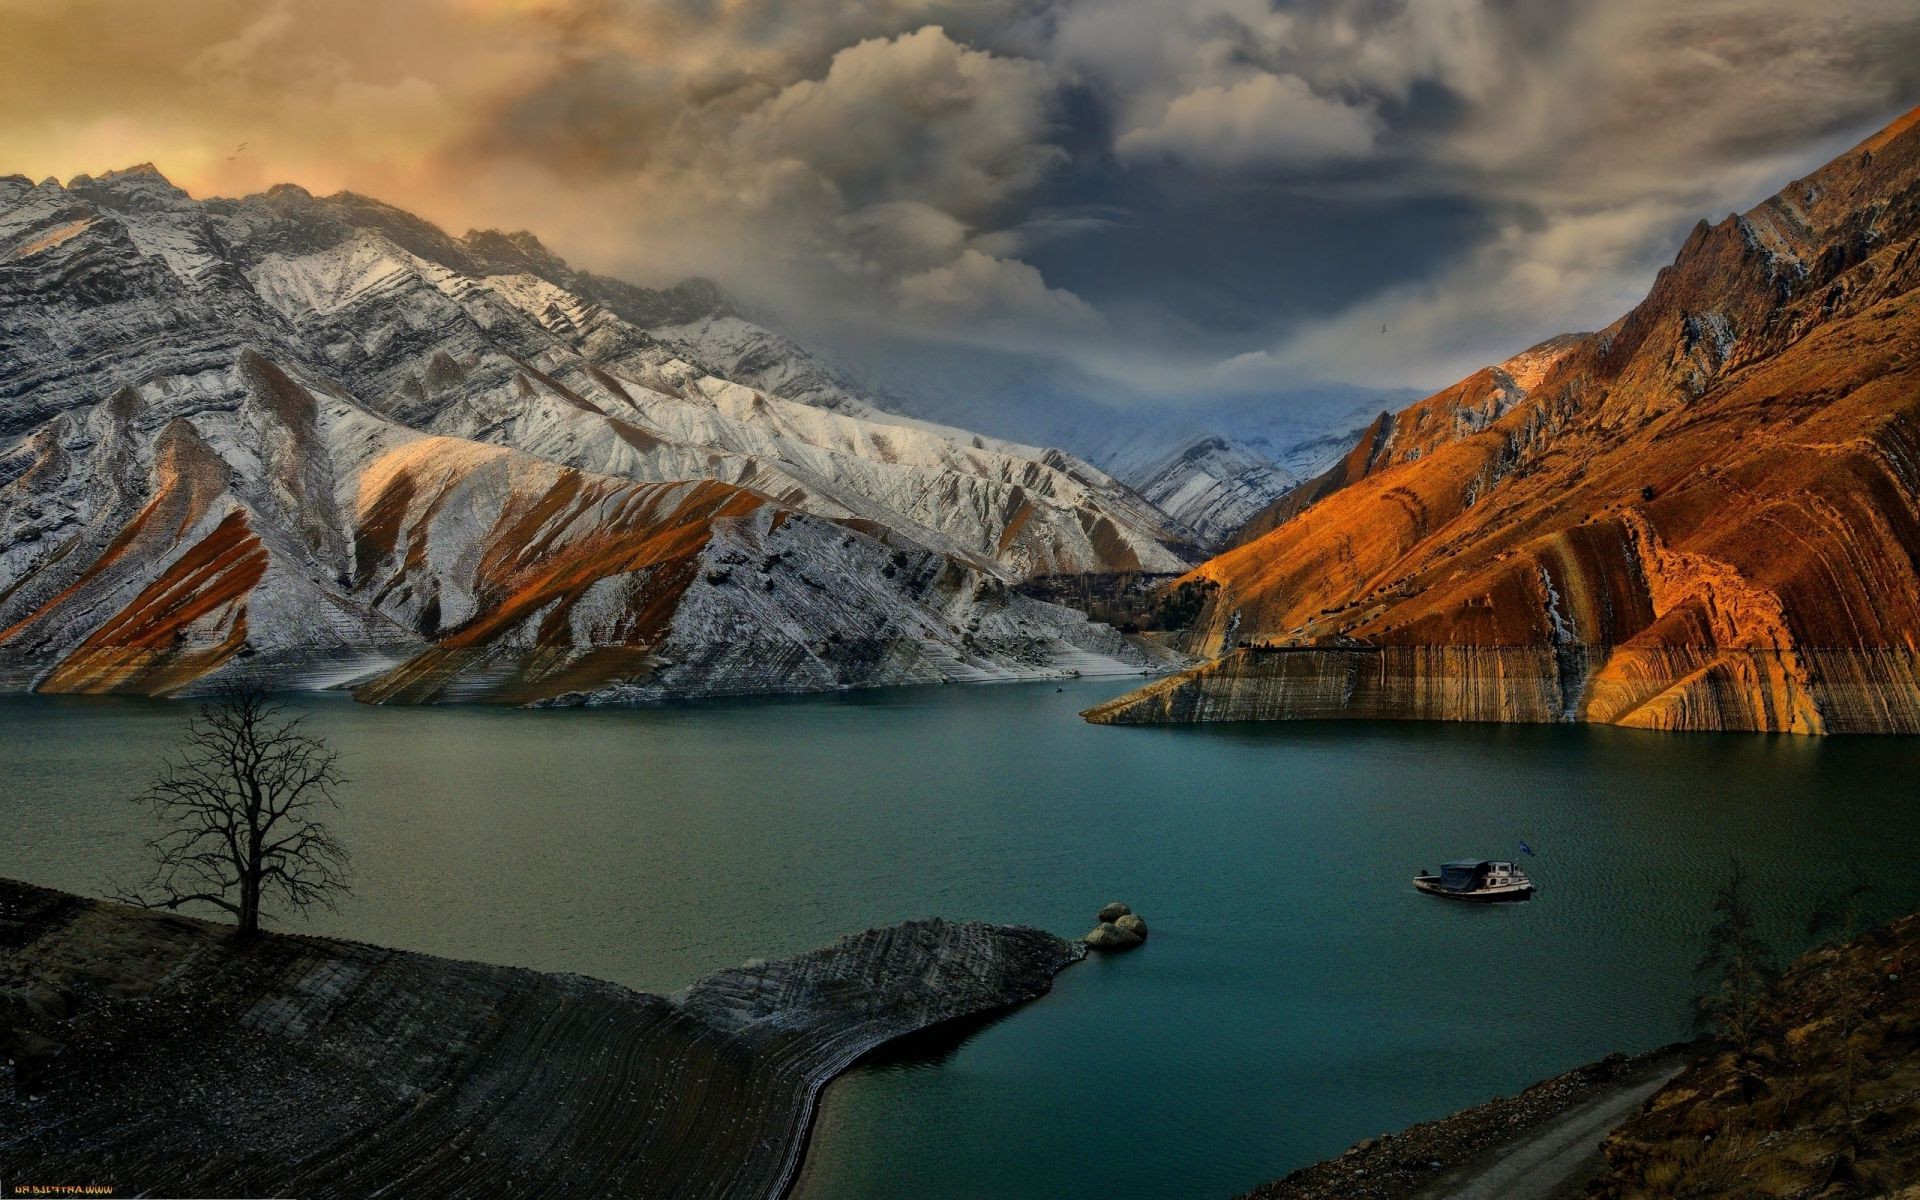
1296 994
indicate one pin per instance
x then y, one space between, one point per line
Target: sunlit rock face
317 440
1701 517
1392 439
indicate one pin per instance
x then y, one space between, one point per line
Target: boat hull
1430 884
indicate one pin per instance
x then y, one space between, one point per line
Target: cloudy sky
1168 197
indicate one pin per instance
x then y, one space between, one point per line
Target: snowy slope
308 438
1213 485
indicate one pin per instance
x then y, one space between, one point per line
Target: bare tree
240 803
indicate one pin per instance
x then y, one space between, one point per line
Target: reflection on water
1296 994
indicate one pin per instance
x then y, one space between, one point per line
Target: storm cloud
1216 195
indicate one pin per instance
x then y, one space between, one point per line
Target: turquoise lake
1296 994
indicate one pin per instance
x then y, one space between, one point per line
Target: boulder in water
1131 923
1114 911
1109 936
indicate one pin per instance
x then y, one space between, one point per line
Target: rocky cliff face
1702 517
1394 439
172 1060
317 439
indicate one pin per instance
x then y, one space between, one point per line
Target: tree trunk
251 874
249 904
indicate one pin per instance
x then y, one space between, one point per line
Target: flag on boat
1529 850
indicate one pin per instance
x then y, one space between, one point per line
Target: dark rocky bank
169 1058
1414 1162
1826 1108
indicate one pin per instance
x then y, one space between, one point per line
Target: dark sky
1159 197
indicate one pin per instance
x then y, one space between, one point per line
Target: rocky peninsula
162 1055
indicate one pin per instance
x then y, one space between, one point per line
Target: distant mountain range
317 439
1211 462
1704 516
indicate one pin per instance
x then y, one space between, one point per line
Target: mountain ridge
226 400
1701 517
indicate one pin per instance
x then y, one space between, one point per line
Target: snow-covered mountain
1212 485
1188 454
318 437
1215 482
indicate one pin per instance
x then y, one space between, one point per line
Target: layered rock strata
310 440
1705 516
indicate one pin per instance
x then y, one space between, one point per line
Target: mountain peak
524 240
699 291
140 176
1899 126
518 251
1697 519
139 186
293 350
137 172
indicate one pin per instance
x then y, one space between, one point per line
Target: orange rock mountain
1701 517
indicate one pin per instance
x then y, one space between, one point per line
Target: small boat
1479 879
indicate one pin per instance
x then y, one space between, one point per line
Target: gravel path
1547 1162
1542 1144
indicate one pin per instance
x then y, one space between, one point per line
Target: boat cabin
1477 879
1468 875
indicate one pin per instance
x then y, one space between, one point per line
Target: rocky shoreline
1831 1110
1420 1161
164 1057
1830 1107
1819 690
